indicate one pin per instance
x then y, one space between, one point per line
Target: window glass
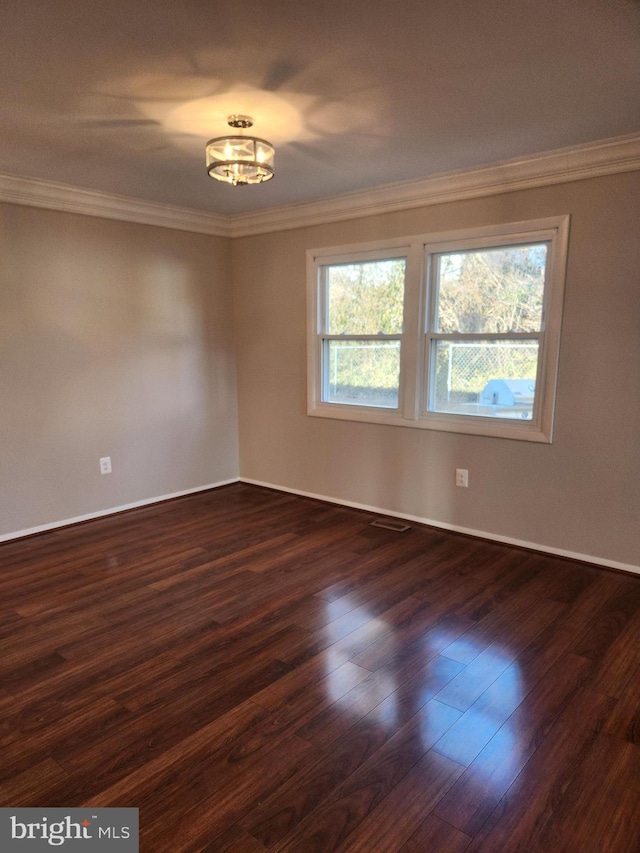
363 373
486 378
491 290
365 298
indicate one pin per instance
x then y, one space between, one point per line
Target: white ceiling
121 96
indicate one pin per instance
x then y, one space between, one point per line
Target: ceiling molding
568 164
54 196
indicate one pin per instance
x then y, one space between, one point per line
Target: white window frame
415 341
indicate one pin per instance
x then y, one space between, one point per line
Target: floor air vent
397 526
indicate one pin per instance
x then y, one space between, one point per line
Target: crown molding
607 157
54 196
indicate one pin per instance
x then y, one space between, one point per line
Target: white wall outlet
105 465
462 477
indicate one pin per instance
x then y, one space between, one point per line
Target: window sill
489 427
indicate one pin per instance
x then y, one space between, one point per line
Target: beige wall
115 340
580 494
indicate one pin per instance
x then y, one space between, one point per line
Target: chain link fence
367 373
463 369
364 373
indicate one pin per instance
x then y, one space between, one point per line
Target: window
362 331
456 331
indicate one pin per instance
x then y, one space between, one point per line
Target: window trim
415 359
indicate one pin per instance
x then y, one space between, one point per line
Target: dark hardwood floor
257 671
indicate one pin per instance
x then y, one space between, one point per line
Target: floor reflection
366 630
486 692
457 687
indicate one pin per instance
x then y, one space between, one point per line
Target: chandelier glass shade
240 160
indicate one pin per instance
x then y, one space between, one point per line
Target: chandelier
238 159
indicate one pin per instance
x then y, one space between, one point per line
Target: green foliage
366 298
492 290
368 364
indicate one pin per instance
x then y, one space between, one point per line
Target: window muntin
361 335
513 338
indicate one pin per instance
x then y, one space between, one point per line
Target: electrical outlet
105 465
462 477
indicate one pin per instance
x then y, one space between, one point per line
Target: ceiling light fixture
240 160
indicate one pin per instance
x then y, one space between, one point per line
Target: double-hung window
456 331
361 306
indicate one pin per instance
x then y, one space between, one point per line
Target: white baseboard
454 528
42 528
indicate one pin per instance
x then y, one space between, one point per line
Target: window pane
362 373
486 378
365 298
491 291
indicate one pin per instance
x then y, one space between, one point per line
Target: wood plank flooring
257 671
